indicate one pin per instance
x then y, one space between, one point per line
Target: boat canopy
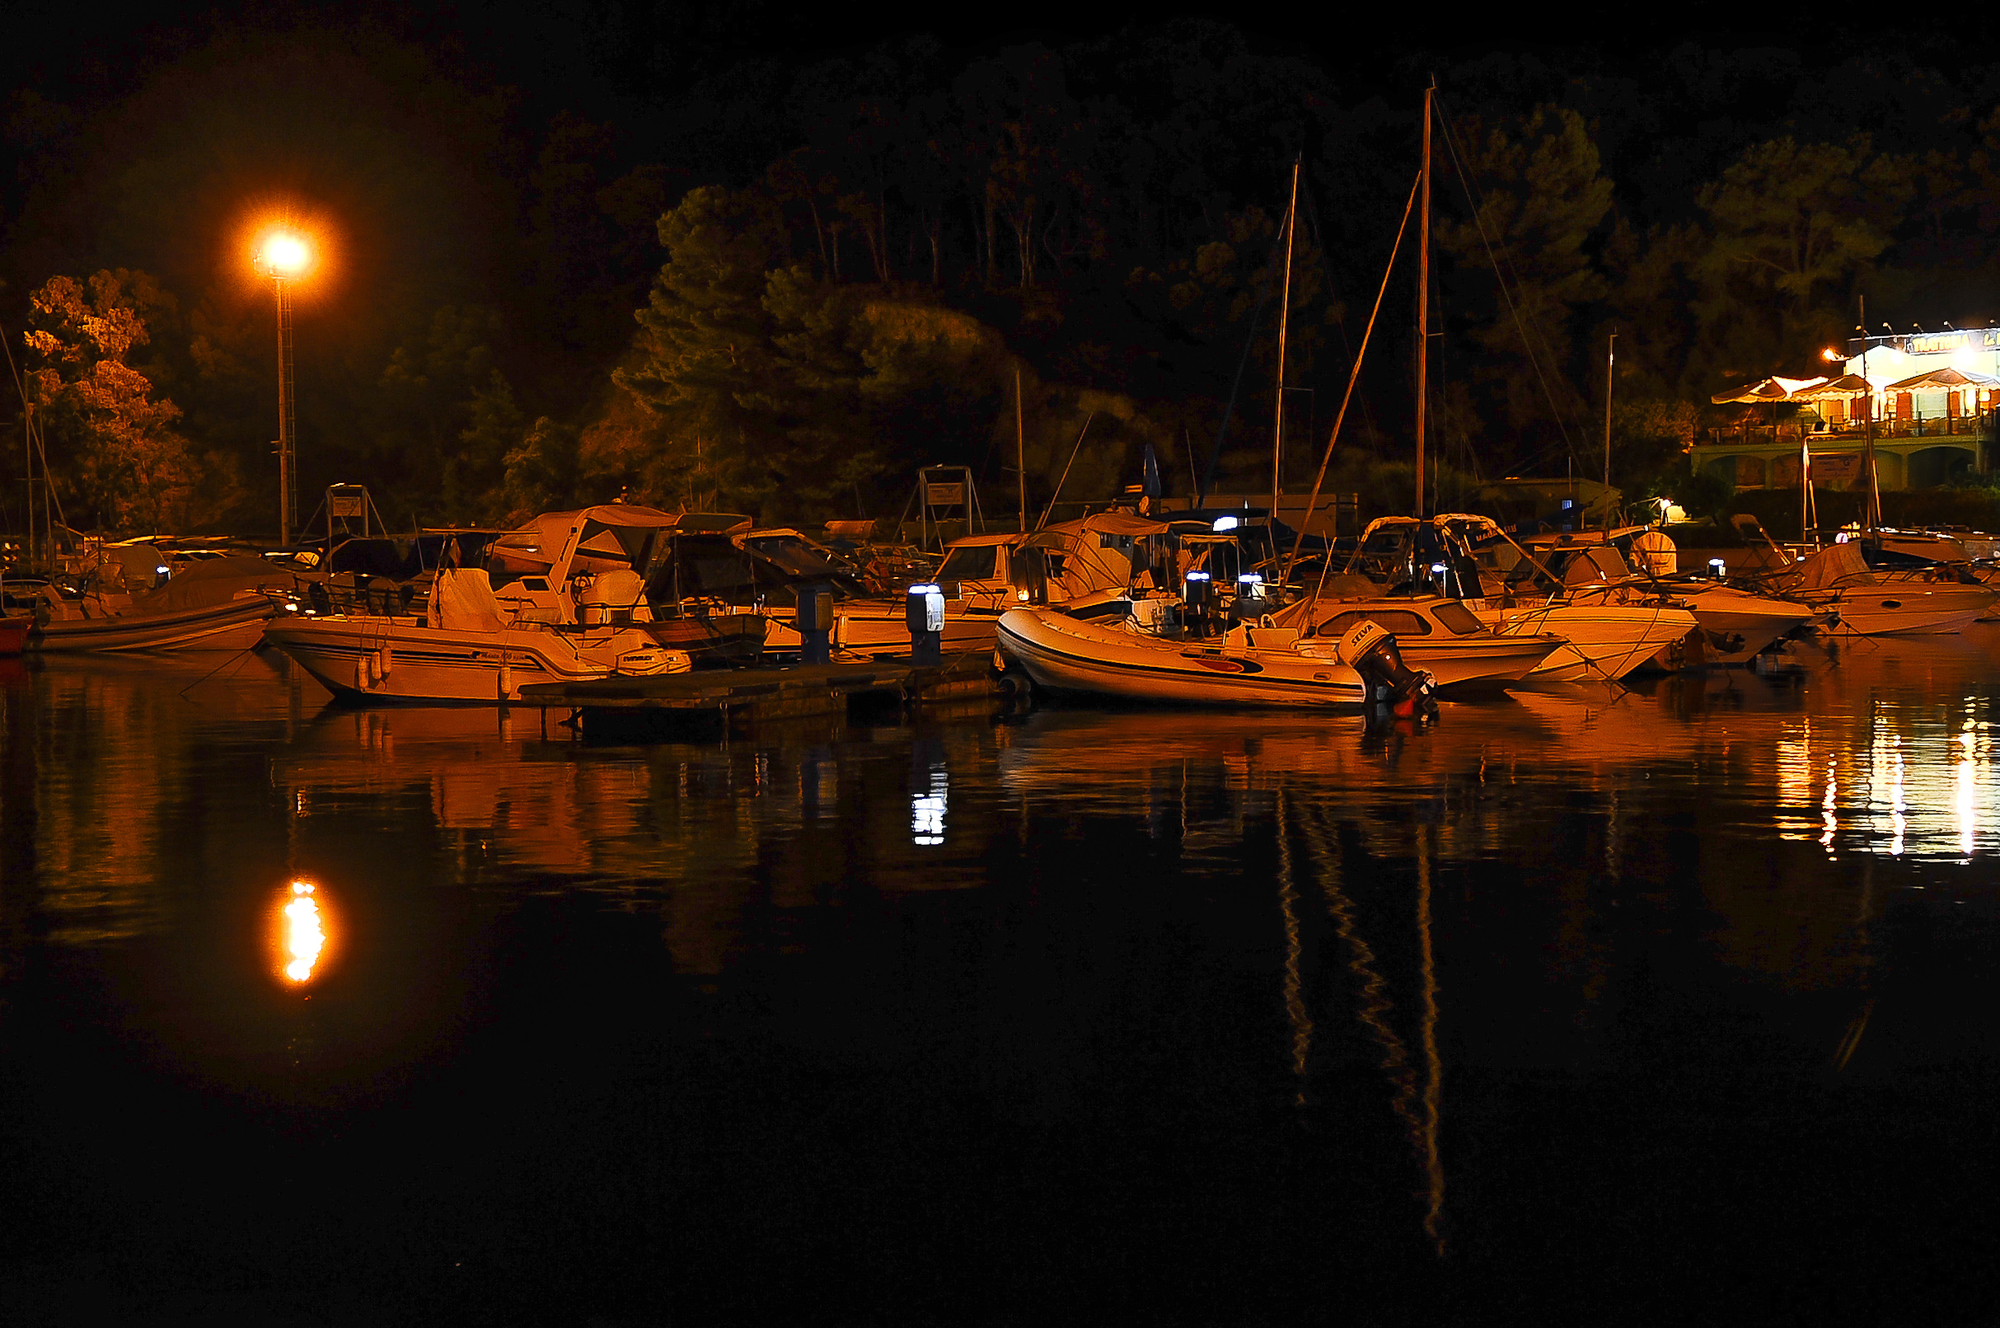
1830 566
606 537
216 581
463 601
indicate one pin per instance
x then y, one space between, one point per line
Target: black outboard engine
1370 650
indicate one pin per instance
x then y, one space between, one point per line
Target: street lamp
284 256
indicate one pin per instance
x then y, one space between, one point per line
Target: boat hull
1600 640
882 627
1905 610
442 666
1471 661
14 634
1098 659
1737 626
236 624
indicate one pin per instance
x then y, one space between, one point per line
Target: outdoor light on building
1831 355
285 256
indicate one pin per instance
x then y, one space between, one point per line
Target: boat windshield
797 555
1397 622
1456 617
970 563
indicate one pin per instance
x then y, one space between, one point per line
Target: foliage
112 443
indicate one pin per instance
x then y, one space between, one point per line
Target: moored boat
1870 602
462 651
1250 666
219 604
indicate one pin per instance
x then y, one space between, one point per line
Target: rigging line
1214 453
1333 305
1529 328
1047 511
1353 376
1505 260
1527 341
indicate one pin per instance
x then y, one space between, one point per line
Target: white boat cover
463 601
1830 566
215 581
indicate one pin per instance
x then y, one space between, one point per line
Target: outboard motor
1370 650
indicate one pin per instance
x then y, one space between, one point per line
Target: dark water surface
1652 1002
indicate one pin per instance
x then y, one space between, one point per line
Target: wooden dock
673 703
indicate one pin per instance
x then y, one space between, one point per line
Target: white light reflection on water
927 810
1898 823
1965 802
1915 789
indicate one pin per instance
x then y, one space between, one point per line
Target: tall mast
1284 309
1020 450
28 491
1610 359
1424 297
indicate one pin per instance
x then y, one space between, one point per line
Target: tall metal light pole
284 257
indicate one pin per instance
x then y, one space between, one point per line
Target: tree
1794 220
115 454
1525 271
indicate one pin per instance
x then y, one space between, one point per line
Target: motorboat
1248 666
14 633
1866 601
564 599
1737 625
1604 636
1609 629
1090 560
1733 624
1434 633
682 578
464 649
214 604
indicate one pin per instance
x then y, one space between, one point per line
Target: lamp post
284 257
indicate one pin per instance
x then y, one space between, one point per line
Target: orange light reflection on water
303 934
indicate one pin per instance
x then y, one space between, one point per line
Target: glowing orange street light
285 256
1830 355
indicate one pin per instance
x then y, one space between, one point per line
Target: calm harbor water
1646 999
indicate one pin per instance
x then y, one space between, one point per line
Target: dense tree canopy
730 275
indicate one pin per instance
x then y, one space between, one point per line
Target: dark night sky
423 135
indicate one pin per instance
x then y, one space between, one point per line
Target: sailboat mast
1020 450
1423 298
1284 311
1610 359
28 489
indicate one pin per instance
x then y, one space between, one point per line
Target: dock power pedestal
924 610
814 620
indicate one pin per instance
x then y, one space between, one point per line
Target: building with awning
1931 399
